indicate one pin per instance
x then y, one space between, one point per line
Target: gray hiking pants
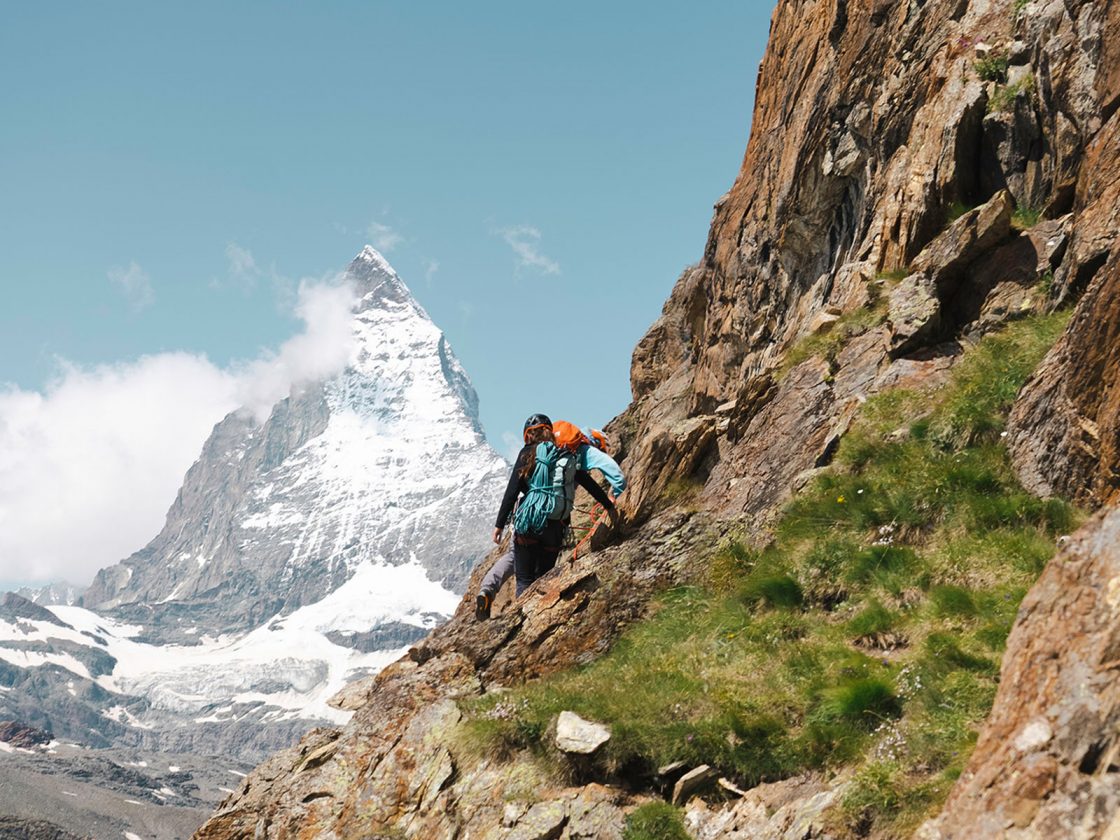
499 573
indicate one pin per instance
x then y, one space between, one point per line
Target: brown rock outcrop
1066 426
1065 429
1048 761
871 124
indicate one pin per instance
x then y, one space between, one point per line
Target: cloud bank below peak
90 464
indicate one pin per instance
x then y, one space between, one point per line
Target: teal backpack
552 489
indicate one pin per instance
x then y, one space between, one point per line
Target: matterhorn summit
383 466
307 547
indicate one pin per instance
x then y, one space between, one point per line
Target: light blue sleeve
596 459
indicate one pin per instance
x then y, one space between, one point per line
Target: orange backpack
568 435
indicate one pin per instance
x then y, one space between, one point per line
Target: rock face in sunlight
1046 763
918 175
384 465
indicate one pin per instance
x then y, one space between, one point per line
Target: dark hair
533 436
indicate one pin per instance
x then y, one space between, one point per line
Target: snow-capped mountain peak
384 463
302 552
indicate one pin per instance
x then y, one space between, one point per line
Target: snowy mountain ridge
384 463
303 551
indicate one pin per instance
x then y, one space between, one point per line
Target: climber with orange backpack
555 458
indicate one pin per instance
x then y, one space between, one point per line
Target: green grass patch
828 343
1001 101
953 601
872 619
655 821
1024 218
956 210
920 525
730 565
866 701
993 67
772 590
894 275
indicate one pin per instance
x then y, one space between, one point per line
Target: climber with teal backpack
544 477
592 452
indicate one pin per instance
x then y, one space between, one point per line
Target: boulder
822 322
692 782
579 736
785 810
914 314
544 821
354 695
945 259
21 735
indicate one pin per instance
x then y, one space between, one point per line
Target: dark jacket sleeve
589 484
514 488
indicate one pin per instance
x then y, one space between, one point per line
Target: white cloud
430 269
524 241
383 237
134 283
321 350
513 444
89 466
242 267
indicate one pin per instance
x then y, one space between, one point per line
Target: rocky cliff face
886 215
1066 427
873 126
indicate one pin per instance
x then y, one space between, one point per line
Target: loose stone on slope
576 735
691 782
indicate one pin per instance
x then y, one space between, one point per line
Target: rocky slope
885 216
52 789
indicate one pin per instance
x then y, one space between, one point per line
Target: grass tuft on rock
920 541
828 343
993 67
655 821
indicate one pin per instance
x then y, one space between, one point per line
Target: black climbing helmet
535 421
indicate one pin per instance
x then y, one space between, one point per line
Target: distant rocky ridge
52 593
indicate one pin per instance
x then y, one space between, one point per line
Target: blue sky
539 176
